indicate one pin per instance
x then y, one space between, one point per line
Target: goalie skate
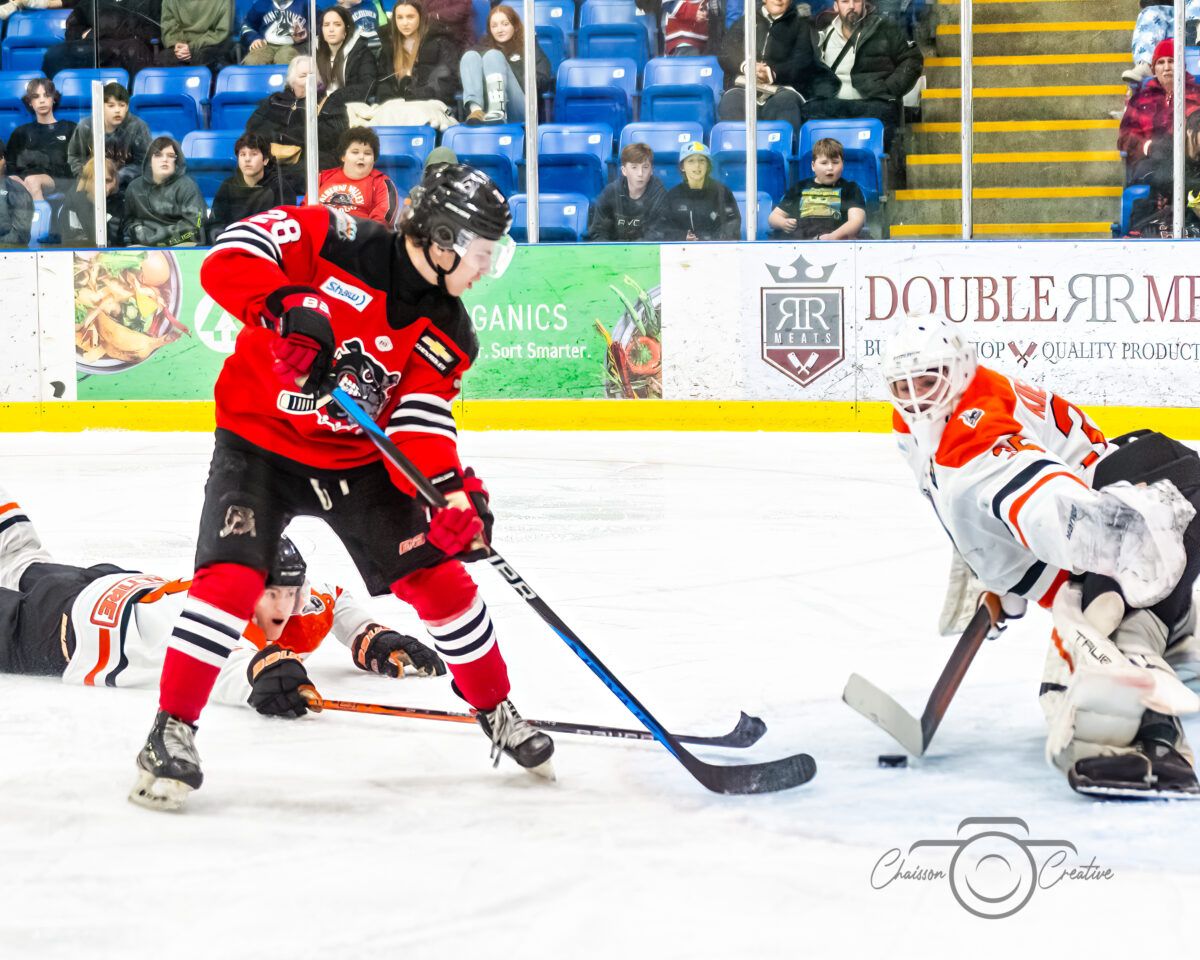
1158 772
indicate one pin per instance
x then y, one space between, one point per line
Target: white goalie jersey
1010 458
121 624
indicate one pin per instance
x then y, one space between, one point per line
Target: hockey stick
746 733
741 778
912 734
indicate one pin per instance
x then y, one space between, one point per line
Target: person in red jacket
328 299
356 186
1145 135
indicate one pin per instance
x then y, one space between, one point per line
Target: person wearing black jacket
344 60
787 62
122 32
875 63
493 75
701 208
418 59
634 206
256 186
75 224
16 210
38 151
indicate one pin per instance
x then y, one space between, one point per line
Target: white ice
712 573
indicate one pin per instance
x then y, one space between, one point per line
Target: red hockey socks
456 617
218 606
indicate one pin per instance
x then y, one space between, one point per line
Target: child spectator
197 33
634 206
356 186
823 207
492 74
344 62
273 30
126 137
164 207
369 17
16 210
75 225
38 150
701 208
257 185
107 33
692 28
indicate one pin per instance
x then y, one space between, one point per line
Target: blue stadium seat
13 111
553 41
210 158
682 88
555 13
862 143
482 10
595 91
171 99
574 157
76 89
40 229
1139 191
1192 55
239 91
620 11
30 34
728 144
495 149
402 153
666 140
597 41
562 217
765 205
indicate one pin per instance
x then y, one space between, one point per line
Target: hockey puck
893 760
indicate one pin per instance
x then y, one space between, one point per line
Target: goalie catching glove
277 682
380 650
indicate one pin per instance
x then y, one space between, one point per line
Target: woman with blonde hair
493 74
75 225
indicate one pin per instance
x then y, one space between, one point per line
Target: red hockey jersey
373 197
402 344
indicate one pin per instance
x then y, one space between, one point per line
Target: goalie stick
883 711
747 732
766 777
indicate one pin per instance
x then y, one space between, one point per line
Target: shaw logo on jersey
347 293
803 323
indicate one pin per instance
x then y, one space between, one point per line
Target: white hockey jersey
1010 455
121 624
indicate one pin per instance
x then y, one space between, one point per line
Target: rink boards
709 337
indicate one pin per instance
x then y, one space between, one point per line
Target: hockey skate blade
158 793
545 770
1133 793
883 711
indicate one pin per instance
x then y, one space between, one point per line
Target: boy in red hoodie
356 186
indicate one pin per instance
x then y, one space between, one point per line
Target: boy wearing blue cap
701 208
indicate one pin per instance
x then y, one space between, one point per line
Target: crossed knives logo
803 320
1025 355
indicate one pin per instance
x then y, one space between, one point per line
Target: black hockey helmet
454 205
288 569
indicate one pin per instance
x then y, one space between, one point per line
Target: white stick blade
866 698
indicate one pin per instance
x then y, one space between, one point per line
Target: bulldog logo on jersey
358 373
803 322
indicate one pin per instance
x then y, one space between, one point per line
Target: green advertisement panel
563 322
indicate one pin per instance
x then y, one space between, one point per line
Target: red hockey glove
463 528
305 345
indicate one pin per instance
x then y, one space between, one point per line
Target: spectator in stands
1152 217
875 63
634 206
700 207
197 33
255 186
1155 23
356 186
418 61
492 75
38 150
164 207
692 28
274 31
788 70
12 6
280 120
344 61
1145 134
76 221
369 18
16 209
455 18
107 33
126 137
823 207
438 157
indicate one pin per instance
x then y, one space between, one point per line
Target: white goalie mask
927 366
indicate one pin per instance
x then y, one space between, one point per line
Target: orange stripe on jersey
1048 597
105 645
1023 498
898 423
8 506
167 590
992 395
1058 645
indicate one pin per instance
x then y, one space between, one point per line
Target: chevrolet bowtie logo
437 348
800 269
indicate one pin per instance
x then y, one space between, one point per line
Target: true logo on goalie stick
803 322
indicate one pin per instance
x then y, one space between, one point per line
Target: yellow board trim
1015 126
1016 230
1058 26
1010 193
1037 156
1010 93
607 415
1031 59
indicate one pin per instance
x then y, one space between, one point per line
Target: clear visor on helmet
490 258
922 393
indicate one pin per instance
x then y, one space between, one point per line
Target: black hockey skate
168 765
1157 773
510 734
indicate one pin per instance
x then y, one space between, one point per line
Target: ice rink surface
712 573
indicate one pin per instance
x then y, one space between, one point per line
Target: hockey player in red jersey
105 626
1040 505
327 299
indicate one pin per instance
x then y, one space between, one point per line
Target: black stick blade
769 777
746 733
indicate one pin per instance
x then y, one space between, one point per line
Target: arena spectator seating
28 35
765 204
574 157
682 88
562 217
402 153
495 149
666 139
13 111
1138 191
595 91
172 100
210 158
239 91
76 89
727 141
862 144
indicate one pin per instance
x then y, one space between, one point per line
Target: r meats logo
803 321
